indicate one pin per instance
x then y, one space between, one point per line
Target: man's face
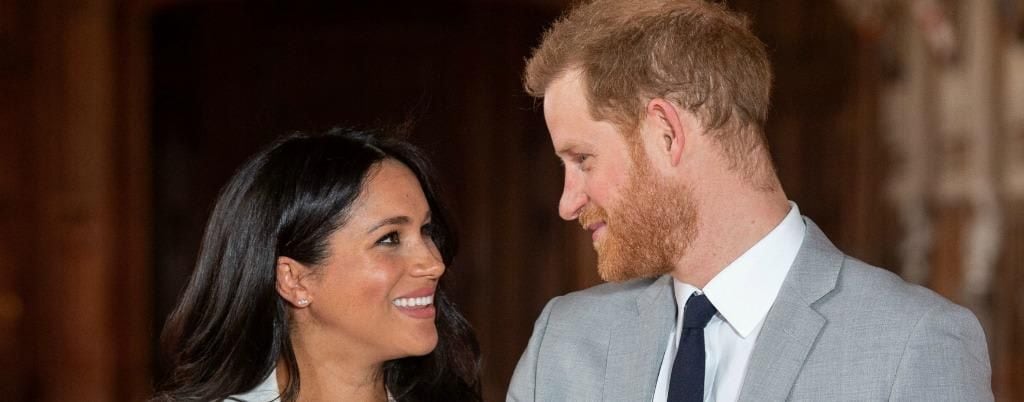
639 223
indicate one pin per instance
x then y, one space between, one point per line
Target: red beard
647 230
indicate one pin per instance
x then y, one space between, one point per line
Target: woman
319 278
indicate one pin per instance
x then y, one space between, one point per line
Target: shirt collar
746 289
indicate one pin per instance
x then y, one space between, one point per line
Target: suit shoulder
603 299
862 283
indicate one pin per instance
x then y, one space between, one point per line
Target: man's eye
390 239
582 161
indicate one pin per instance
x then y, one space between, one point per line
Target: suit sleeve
524 380
945 359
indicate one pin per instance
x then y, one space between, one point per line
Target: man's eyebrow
395 220
568 149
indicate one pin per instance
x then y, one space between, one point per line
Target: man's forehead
569 79
566 88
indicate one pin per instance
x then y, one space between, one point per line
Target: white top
743 293
267 391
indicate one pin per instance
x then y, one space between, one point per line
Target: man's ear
666 129
291 278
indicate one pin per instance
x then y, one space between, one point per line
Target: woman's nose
428 262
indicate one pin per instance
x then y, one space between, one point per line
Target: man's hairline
576 67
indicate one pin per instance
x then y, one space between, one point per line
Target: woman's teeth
414 301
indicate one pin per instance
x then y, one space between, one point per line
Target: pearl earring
303 302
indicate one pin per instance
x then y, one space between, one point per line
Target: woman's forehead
390 191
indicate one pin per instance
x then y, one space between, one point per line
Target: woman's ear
291 286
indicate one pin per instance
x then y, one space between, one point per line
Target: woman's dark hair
231 327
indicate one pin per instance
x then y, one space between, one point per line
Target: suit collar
637 344
816 269
792 325
651 300
746 289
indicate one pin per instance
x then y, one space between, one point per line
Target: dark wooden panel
71 276
1006 333
14 200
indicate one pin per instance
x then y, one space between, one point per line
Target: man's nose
573 199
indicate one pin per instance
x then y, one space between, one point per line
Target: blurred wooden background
119 121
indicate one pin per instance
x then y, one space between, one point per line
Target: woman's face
374 293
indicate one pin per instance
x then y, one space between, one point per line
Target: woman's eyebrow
395 220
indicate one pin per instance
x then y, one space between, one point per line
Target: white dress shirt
743 293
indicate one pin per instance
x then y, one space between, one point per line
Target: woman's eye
390 239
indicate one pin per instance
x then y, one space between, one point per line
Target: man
719 289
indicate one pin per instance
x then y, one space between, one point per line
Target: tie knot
698 312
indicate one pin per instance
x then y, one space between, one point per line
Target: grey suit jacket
840 330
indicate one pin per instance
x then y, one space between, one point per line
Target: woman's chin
427 347
416 346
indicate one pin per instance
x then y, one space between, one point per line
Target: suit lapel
792 325
637 344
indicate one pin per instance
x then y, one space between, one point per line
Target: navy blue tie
687 382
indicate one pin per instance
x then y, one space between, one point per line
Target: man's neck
729 222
